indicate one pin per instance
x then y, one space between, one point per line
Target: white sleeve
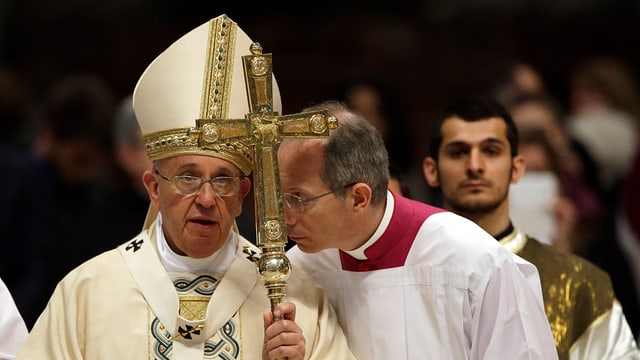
512 321
608 337
530 272
13 331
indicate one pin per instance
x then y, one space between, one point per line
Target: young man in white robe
407 280
473 159
187 287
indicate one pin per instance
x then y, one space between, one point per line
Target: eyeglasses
296 202
189 185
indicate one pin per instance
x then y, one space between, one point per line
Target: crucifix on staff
263 130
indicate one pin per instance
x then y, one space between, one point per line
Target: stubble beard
473 208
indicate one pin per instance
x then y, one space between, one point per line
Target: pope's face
475 167
324 221
195 225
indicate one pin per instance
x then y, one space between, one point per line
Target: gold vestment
576 293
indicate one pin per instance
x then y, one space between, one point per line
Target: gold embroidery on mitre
219 68
214 105
186 141
193 308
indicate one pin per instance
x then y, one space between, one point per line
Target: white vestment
433 285
586 319
124 304
13 331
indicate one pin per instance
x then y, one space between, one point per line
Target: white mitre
200 76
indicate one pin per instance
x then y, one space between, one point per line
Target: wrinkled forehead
198 163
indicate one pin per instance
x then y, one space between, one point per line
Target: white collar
218 262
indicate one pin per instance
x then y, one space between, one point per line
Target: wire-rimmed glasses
297 202
189 185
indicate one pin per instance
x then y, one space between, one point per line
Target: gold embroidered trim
193 308
514 242
218 68
214 105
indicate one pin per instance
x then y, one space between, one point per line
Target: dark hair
81 106
470 109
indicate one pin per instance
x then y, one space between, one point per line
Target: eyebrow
192 166
187 166
491 140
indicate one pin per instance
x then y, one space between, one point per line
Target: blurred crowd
590 146
72 164
72 167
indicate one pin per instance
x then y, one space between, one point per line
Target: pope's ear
245 186
151 184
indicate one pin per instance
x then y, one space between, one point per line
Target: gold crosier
262 130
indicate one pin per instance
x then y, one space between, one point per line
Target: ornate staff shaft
268 129
273 266
262 131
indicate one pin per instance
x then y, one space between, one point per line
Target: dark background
425 52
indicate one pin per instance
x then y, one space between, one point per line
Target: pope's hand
283 338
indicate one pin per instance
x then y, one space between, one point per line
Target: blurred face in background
76 160
134 160
531 115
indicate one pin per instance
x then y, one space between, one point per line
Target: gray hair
355 152
126 130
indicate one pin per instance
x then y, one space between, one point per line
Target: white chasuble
191 308
123 304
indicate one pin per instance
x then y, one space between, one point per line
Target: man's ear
245 186
430 171
518 168
151 184
361 193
